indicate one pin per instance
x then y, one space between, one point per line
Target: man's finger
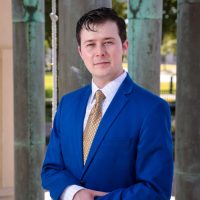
99 193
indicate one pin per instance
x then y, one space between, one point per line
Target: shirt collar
109 89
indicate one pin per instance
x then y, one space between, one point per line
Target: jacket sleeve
154 161
55 176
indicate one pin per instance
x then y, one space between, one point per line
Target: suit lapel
79 118
116 106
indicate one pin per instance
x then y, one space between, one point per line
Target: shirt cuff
70 192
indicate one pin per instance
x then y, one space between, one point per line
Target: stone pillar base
7 194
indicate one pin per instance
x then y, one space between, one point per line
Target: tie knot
99 95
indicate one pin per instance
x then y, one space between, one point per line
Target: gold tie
92 124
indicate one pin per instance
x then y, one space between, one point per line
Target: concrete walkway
47 196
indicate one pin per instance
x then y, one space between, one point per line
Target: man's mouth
101 62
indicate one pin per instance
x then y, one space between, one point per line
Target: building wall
6 103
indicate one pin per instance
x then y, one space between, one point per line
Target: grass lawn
48 84
166 86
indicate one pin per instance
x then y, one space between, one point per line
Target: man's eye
108 43
90 45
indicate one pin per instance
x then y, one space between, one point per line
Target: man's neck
101 83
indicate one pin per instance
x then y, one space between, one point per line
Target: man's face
102 52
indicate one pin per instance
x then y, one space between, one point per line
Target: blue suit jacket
131 155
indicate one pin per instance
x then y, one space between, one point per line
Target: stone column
72 73
6 103
29 114
187 146
144 35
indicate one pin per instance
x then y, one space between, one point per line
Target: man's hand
87 194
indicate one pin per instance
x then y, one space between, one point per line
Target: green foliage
169 19
47 23
48 110
169 27
120 6
168 45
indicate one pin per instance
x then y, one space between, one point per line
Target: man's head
99 16
101 36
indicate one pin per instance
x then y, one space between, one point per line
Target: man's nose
100 50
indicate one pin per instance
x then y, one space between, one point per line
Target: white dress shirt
109 91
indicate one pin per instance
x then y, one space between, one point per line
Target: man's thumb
98 193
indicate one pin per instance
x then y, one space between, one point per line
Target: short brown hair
99 16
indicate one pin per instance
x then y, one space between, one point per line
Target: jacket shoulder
146 98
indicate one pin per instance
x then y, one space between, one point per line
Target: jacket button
82 183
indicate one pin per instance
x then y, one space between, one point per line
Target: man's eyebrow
109 38
106 38
88 41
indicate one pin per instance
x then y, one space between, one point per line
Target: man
110 140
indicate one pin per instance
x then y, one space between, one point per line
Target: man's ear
125 47
79 51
